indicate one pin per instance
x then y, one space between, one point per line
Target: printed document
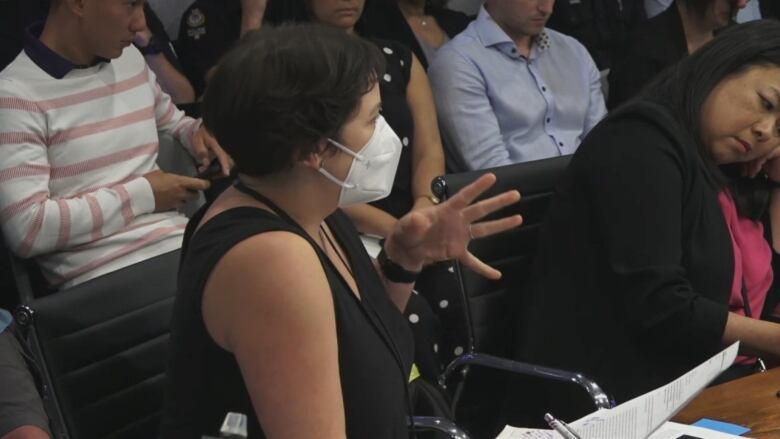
643 415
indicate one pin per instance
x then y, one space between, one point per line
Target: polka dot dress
437 319
395 109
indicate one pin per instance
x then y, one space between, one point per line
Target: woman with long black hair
661 240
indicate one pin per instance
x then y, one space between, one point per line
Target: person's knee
27 432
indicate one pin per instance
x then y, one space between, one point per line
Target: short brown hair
281 90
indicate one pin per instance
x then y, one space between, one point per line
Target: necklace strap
242 187
337 250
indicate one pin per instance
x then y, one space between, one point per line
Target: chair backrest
511 252
101 347
491 306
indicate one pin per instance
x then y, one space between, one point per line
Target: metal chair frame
472 357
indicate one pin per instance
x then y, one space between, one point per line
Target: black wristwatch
153 47
393 271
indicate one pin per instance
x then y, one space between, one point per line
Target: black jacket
602 26
657 44
635 264
15 16
209 28
770 9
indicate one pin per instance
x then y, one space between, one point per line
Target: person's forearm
398 293
370 220
251 21
171 80
252 14
756 337
428 152
424 171
46 224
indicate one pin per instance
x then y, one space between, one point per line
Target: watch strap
393 271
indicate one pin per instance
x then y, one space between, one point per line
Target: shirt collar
491 34
48 60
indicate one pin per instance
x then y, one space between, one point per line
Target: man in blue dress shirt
509 90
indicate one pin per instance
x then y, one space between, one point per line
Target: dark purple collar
48 60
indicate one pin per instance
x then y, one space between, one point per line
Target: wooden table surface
750 401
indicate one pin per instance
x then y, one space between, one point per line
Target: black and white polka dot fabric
395 109
436 316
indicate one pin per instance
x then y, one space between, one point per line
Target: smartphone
213 172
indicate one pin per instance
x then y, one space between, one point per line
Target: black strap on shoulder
242 187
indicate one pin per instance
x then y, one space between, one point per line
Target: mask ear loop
332 178
354 155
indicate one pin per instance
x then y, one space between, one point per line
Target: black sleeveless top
375 343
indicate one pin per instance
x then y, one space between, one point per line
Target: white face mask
371 175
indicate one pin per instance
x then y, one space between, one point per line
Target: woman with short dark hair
280 313
407 104
653 256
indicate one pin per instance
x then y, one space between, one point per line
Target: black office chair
100 349
489 306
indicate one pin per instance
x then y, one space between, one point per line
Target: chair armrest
599 398
429 423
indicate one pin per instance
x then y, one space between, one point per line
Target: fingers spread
479 267
469 193
487 228
492 204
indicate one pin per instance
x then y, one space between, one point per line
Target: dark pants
20 402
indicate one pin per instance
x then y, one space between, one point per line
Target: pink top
752 262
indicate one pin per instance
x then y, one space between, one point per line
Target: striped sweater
72 155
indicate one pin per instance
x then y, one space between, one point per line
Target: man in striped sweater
80 113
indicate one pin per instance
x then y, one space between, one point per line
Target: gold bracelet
432 198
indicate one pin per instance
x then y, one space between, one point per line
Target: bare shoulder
277 249
265 282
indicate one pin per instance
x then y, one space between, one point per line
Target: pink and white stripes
73 153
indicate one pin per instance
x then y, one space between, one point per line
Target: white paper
527 433
669 430
641 416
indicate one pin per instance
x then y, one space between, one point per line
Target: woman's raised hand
444 231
